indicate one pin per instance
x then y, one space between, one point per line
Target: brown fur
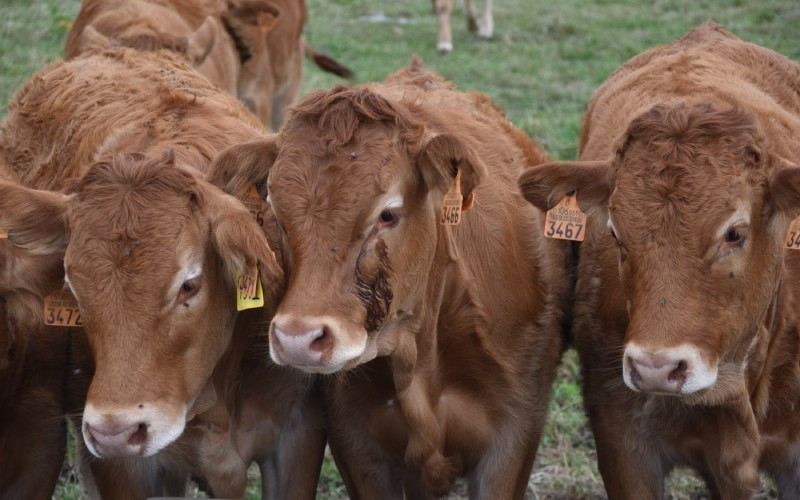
251 48
672 144
462 322
129 160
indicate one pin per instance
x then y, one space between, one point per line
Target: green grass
542 66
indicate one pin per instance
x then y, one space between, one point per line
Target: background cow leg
787 477
486 24
367 472
293 471
631 468
444 38
472 24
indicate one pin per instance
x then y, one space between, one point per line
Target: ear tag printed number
253 202
61 309
248 290
566 221
451 204
792 241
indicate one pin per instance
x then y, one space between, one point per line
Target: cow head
248 23
697 208
355 184
150 253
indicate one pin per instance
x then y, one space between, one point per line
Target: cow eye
732 236
387 218
613 234
733 241
188 290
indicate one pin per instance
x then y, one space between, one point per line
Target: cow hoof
444 47
486 31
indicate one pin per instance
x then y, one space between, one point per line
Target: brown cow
686 315
444 339
150 252
33 368
251 48
444 37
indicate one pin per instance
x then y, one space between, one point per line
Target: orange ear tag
566 221
3 234
451 204
248 290
253 202
792 241
61 309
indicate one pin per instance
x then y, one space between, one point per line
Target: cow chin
675 371
141 432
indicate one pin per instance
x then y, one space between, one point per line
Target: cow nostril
139 436
322 341
678 374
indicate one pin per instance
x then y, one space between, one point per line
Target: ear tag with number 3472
566 220
62 309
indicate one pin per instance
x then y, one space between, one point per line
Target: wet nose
112 439
657 372
300 345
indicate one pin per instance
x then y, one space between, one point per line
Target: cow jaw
141 430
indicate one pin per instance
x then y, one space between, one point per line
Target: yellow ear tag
566 221
3 234
792 241
248 290
451 204
253 201
61 309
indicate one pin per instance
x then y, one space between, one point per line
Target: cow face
355 189
150 254
696 210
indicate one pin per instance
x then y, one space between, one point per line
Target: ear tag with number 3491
566 220
248 290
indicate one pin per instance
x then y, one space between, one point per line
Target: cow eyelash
387 218
188 289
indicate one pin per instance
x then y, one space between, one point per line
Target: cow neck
415 372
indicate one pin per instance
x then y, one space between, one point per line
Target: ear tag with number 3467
566 220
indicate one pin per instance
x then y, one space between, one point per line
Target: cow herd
201 273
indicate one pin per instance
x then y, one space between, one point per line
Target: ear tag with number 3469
566 220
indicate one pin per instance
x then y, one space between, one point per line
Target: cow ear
784 191
93 41
238 167
443 157
36 221
237 237
262 14
200 43
546 184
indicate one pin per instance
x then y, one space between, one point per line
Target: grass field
542 66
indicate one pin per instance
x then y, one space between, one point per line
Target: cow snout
117 439
658 374
678 370
301 345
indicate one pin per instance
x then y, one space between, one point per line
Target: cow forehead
317 182
683 203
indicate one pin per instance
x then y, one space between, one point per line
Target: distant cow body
444 340
444 37
686 315
151 251
251 48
